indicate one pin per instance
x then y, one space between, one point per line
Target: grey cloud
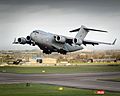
92 4
20 15
12 8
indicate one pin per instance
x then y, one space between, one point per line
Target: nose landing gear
47 51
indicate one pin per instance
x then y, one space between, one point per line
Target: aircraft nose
32 35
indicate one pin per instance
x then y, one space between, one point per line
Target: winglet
114 42
15 41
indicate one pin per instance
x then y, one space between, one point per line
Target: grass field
51 90
46 90
62 69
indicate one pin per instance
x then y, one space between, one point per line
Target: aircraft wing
23 41
97 43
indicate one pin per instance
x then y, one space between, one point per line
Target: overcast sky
20 17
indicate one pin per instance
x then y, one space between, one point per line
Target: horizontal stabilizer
87 29
94 30
75 30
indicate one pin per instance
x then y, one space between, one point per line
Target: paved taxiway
78 80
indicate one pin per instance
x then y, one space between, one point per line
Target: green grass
50 90
97 63
62 69
46 90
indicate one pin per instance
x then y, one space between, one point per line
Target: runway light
60 88
101 92
43 71
27 84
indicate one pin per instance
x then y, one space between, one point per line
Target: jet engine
29 41
60 39
28 38
77 41
22 40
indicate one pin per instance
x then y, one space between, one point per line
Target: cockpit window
35 32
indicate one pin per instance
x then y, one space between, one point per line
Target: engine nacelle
77 41
28 39
60 39
22 40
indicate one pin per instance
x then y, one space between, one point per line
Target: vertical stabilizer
81 33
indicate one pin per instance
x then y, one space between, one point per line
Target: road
77 80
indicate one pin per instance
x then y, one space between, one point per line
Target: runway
77 80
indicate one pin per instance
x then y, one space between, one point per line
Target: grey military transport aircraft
49 42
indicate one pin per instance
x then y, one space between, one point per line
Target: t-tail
82 32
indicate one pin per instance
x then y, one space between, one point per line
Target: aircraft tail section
82 32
